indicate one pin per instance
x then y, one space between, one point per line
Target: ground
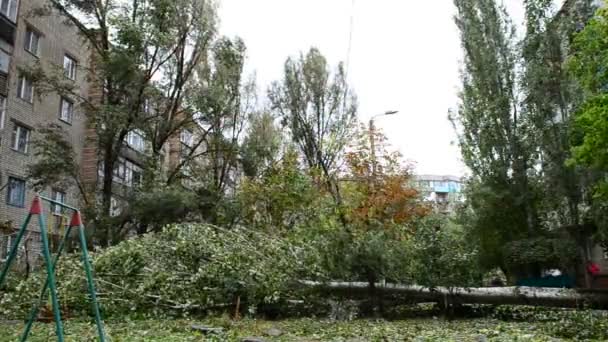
300 330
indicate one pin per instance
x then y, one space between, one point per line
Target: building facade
28 40
444 192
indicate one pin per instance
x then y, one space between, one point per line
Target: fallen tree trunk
535 296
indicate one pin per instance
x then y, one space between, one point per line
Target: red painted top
593 269
76 219
36 208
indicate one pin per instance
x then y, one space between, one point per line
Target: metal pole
14 249
50 274
61 204
372 139
36 308
372 142
77 221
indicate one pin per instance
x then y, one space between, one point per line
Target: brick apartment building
28 39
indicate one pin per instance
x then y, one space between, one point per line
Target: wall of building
57 40
444 192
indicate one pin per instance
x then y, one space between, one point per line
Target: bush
442 256
545 252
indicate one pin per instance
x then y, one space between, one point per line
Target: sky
405 55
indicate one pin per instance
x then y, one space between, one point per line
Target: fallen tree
514 295
193 268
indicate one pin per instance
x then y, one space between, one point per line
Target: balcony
3 84
7 30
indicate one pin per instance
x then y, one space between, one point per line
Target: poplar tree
493 131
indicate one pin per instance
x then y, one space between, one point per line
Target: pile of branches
186 268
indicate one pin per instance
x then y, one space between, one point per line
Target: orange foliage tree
380 191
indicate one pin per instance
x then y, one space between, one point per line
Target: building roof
438 178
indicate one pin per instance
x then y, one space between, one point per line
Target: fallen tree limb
535 296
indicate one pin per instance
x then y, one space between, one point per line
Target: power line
350 38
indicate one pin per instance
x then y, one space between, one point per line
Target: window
147 106
20 139
133 174
100 168
115 208
5 60
125 172
69 67
32 41
58 196
25 89
186 137
15 193
66 110
6 247
9 9
136 140
119 170
2 111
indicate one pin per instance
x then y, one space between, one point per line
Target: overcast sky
405 56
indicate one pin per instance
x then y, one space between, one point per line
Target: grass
297 330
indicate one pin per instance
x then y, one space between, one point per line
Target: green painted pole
14 249
36 308
77 221
37 209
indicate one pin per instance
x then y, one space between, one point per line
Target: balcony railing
3 84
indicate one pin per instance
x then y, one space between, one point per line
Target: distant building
445 192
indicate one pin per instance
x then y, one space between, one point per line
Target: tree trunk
535 296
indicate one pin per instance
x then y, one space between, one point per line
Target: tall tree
492 131
319 109
225 105
550 96
144 54
222 100
262 144
589 64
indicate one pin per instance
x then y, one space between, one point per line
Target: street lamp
388 112
372 137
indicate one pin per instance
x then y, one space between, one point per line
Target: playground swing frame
51 264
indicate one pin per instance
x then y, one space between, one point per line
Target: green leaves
56 160
262 144
589 65
589 58
550 252
569 325
282 198
514 121
441 255
184 269
592 122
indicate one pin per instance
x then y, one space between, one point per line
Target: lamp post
372 137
